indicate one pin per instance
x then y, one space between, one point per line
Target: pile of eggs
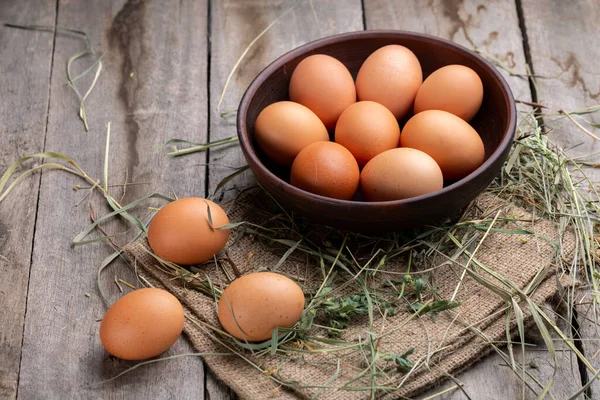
370 157
190 231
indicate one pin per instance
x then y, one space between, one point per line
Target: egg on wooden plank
252 306
327 169
391 76
453 88
181 232
449 140
324 85
366 129
142 324
399 174
284 128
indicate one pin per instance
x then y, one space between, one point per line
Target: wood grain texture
153 87
588 318
492 29
217 390
234 25
24 81
561 38
492 378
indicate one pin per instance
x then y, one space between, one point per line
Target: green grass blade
335 375
274 341
41 28
111 202
585 387
286 255
564 338
79 238
31 171
509 346
252 43
105 263
547 387
176 356
519 319
102 238
229 177
174 141
106 153
542 328
13 167
201 147
89 69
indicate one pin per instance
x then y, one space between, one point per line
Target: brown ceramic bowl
495 122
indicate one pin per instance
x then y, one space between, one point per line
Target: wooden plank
217 390
588 318
491 377
234 25
24 82
561 38
492 28
153 88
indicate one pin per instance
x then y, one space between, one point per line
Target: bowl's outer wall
495 122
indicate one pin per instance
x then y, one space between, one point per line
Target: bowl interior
494 121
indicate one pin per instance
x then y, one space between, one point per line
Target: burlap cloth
446 344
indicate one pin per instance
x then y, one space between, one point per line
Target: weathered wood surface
24 83
588 319
164 71
493 378
490 27
561 38
153 87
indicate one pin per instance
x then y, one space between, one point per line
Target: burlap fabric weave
445 345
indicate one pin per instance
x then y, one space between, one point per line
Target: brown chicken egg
142 324
323 84
453 88
327 169
284 128
255 304
398 174
180 232
452 142
390 76
366 129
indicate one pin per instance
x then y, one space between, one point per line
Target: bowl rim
249 152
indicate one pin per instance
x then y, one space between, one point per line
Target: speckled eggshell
448 139
142 324
399 174
453 88
180 232
327 169
390 76
255 304
366 129
284 128
323 84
